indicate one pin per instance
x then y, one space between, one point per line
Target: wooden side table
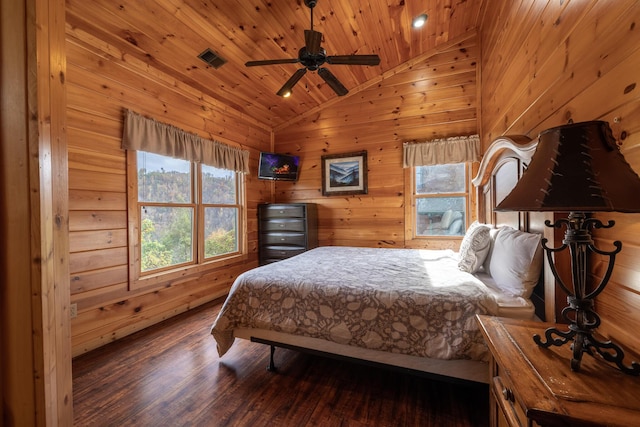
534 386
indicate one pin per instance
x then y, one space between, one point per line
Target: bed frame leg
272 365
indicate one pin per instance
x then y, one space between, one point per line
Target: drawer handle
281 212
508 395
281 225
282 239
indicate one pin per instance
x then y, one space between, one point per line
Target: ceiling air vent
211 58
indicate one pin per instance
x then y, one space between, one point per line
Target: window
188 213
441 199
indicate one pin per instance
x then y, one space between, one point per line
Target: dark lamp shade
576 168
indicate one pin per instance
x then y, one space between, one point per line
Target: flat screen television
278 166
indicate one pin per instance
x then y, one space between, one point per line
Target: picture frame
344 174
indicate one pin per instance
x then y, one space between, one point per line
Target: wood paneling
35 372
96 220
102 81
92 260
97 278
100 239
166 36
434 98
80 200
544 63
88 180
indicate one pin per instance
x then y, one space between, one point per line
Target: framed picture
344 174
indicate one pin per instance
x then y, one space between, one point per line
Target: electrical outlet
73 310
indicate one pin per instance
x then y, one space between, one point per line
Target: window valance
141 133
457 149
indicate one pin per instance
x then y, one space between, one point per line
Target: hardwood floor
171 375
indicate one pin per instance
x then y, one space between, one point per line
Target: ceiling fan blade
332 81
354 60
286 89
271 62
312 41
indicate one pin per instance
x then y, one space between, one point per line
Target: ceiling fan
312 56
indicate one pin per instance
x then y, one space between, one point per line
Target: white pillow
493 232
474 247
516 261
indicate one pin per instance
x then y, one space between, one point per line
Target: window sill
439 237
434 242
168 278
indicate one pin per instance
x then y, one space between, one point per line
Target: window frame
411 198
161 276
202 206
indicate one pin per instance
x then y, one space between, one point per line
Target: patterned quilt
405 301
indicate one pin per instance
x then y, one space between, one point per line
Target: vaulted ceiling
168 35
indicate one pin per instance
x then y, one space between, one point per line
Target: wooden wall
433 96
546 62
35 349
101 82
541 64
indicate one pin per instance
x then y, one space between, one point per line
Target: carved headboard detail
500 169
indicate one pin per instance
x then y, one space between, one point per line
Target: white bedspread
405 301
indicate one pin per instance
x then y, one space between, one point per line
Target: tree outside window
219 200
188 213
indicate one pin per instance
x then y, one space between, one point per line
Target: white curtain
141 133
457 149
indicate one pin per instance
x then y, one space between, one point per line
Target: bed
410 309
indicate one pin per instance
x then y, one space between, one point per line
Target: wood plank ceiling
168 35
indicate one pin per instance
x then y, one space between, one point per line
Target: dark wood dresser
286 229
535 386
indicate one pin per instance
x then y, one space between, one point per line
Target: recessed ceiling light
420 20
286 94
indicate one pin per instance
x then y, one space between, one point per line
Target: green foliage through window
154 254
169 208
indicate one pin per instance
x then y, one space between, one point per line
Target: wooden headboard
500 169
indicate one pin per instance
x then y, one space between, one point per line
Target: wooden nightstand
534 386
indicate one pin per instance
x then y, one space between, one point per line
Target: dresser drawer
285 230
282 211
284 224
507 408
284 238
280 252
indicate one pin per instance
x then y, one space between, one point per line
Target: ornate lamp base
585 342
583 320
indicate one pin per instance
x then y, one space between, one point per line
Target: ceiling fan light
312 56
419 20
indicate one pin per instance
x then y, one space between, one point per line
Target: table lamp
578 168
